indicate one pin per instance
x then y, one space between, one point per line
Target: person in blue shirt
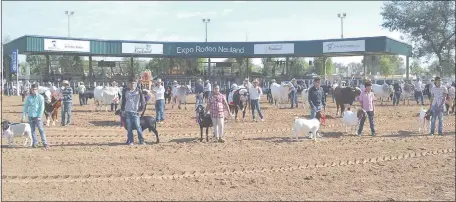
67 94
316 98
34 108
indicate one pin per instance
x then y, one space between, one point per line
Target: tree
429 25
355 68
318 66
416 69
37 63
297 67
386 66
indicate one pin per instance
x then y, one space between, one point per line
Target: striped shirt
217 106
67 94
438 95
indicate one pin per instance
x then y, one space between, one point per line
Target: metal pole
342 28
68 25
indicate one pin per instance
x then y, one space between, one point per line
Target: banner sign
265 49
142 48
14 62
344 46
66 45
208 49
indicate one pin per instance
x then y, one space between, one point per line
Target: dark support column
324 68
209 68
364 66
407 67
48 66
287 69
90 75
247 67
131 67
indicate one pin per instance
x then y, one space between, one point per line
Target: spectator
174 92
81 91
159 91
217 105
294 93
168 94
397 93
67 94
34 108
255 92
132 104
366 101
199 88
115 103
438 95
316 98
207 90
419 91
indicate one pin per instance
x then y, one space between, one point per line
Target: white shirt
159 92
174 90
418 86
438 94
255 93
208 87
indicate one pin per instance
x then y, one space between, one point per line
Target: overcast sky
182 21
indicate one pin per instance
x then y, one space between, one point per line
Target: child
366 101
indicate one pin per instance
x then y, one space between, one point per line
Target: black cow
204 121
240 101
345 95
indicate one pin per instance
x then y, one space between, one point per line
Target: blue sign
238 49
14 61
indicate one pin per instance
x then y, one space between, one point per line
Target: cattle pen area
89 159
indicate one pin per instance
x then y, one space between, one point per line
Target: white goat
351 119
304 126
17 130
424 120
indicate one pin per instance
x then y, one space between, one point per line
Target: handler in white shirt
419 91
207 90
159 92
255 93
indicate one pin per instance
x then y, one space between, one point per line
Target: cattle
240 101
204 121
11 130
105 96
181 96
51 107
345 96
305 97
146 122
408 91
88 94
306 127
452 95
382 91
280 94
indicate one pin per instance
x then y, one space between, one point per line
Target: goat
11 130
350 119
424 118
306 126
204 121
146 122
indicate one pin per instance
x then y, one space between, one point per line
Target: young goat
146 122
424 118
17 130
350 119
204 121
305 126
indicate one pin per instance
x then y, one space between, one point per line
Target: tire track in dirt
225 172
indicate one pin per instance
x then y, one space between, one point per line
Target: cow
345 96
88 94
105 96
305 97
181 97
382 91
280 93
240 101
51 107
408 91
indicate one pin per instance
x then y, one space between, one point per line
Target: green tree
416 69
386 66
298 66
37 64
318 66
429 25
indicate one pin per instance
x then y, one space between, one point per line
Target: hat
200 80
293 79
437 78
65 82
159 80
174 81
246 79
273 80
207 81
255 81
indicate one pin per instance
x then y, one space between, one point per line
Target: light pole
342 16
69 13
205 21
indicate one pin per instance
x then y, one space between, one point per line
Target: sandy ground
87 161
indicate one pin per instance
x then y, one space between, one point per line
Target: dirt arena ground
87 161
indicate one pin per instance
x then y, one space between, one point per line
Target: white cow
408 91
17 130
182 92
105 96
280 94
382 91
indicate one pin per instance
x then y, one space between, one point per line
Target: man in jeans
34 108
438 95
418 91
366 101
199 88
81 91
67 94
316 98
159 91
294 93
133 104
255 92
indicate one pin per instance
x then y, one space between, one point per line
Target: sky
182 21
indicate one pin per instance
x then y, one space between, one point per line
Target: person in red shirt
217 105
